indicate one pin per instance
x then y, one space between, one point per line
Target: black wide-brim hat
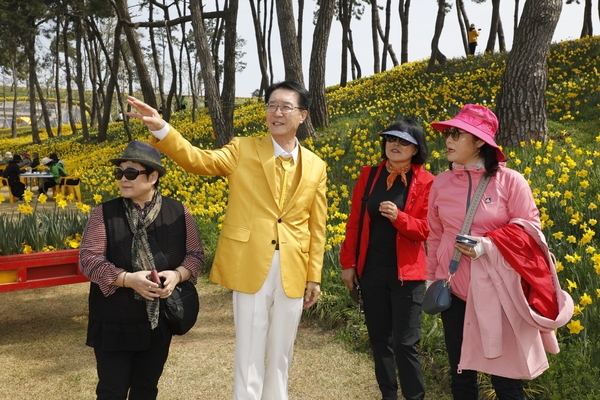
142 153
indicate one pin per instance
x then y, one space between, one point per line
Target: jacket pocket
418 295
305 245
233 232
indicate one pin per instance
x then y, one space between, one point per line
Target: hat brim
456 123
402 135
158 168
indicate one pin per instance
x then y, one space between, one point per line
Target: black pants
17 189
136 372
464 385
49 183
72 181
472 47
393 317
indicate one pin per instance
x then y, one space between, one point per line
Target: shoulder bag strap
363 208
468 221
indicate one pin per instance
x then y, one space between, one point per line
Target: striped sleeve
194 251
92 254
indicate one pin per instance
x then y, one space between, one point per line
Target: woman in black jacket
126 240
12 172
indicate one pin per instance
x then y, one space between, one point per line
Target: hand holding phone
155 278
467 241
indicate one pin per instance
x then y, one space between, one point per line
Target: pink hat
477 120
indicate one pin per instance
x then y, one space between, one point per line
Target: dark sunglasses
392 139
131 174
454 133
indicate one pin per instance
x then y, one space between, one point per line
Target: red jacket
411 225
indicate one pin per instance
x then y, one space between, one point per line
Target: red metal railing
36 270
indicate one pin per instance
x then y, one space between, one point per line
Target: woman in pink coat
491 326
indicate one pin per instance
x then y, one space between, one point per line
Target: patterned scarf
141 253
394 172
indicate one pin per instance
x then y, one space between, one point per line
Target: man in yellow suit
271 246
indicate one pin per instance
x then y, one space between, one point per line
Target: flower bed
40 247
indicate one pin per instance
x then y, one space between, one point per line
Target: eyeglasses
131 174
392 139
285 109
454 133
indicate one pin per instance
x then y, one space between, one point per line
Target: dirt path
43 355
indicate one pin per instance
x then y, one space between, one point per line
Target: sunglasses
131 174
392 139
454 133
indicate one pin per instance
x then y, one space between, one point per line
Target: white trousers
265 330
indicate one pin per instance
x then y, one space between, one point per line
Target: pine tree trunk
403 11
588 26
57 80
79 79
260 48
436 54
375 36
522 99
68 78
491 44
35 134
463 23
318 110
45 113
291 56
344 17
223 133
155 54
228 94
144 79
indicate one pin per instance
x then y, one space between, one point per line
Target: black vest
167 234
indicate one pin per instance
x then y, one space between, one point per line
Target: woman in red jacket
389 257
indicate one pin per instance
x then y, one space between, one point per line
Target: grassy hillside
563 174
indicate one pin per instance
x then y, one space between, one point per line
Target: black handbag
181 308
438 296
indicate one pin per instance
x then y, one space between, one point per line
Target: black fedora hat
142 153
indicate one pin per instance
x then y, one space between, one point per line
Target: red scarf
394 172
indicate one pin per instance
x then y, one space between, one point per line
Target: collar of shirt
280 152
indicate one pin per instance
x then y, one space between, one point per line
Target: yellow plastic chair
66 190
4 182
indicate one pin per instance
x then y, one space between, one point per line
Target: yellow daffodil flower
575 327
585 300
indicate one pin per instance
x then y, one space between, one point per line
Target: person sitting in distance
17 188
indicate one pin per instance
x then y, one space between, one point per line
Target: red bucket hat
477 120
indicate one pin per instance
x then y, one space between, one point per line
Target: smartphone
155 278
462 239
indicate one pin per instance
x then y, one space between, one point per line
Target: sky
421 27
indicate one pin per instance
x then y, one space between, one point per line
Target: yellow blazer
253 220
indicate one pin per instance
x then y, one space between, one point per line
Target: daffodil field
31 229
564 175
